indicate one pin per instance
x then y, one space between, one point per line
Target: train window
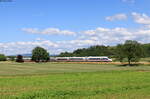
61 59
94 58
104 58
76 58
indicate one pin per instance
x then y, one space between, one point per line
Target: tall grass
47 68
90 85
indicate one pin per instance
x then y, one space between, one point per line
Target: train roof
84 57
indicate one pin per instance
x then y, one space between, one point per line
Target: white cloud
141 18
117 17
13 48
48 31
117 35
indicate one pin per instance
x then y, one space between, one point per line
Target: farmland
73 81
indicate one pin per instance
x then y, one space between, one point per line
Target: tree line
102 50
130 51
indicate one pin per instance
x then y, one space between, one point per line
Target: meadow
73 81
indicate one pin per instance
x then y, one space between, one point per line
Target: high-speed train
81 59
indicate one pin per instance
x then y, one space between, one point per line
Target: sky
66 25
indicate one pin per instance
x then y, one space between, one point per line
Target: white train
81 59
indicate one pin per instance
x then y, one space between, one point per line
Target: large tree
131 50
40 54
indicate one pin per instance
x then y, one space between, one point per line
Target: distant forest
101 50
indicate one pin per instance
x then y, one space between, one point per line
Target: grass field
73 81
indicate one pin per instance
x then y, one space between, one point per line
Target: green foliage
131 50
81 52
119 53
2 57
146 48
65 54
19 59
93 51
11 58
39 54
98 50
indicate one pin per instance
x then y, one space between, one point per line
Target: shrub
2 57
11 58
20 59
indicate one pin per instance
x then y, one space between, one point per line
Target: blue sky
65 25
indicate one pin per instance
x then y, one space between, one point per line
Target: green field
73 81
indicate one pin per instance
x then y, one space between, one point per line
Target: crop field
73 81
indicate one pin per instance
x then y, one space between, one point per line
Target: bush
19 59
11 58
2 57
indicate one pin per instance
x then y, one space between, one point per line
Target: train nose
110 60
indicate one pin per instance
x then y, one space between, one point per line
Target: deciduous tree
39 54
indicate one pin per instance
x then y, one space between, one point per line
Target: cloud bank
86 38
